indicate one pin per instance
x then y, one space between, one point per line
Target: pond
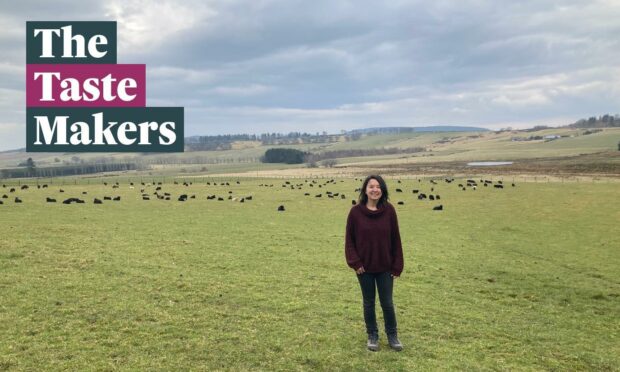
488 163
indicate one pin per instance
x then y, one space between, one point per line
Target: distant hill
433 128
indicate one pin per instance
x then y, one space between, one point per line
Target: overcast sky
278 66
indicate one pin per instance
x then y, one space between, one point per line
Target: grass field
522 278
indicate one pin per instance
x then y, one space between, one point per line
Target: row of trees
224 142
66 170
603 121
293 156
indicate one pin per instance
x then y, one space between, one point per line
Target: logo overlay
78 99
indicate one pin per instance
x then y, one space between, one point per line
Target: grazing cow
18 200
401 203
498 186
25 187
416 191
431 197
97 201
182 198
281 208
422 196
193 197
115 186
38 186
474 188
220 199
307 194
464 189
460 185
432 189
117 198
242 200
343 196
158 188
248 198
12 189
45 186
145 197
1 202
500 182
167 198
5 196
437 197
50 200
438 207
107 198
399 190
318 195
513 185
84 193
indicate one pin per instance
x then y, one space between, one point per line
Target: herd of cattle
154 190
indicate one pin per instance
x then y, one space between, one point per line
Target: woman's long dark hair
363 198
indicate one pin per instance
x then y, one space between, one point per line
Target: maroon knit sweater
373 240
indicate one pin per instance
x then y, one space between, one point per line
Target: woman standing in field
373 249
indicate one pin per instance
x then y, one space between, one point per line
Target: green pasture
520 278
462 146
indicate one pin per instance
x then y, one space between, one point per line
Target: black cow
117 198
431 197
97 201
438 207
50 200
498 186
18 200
401 203
281 208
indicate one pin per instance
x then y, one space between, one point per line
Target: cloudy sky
258 66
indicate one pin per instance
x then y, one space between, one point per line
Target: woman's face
373 190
